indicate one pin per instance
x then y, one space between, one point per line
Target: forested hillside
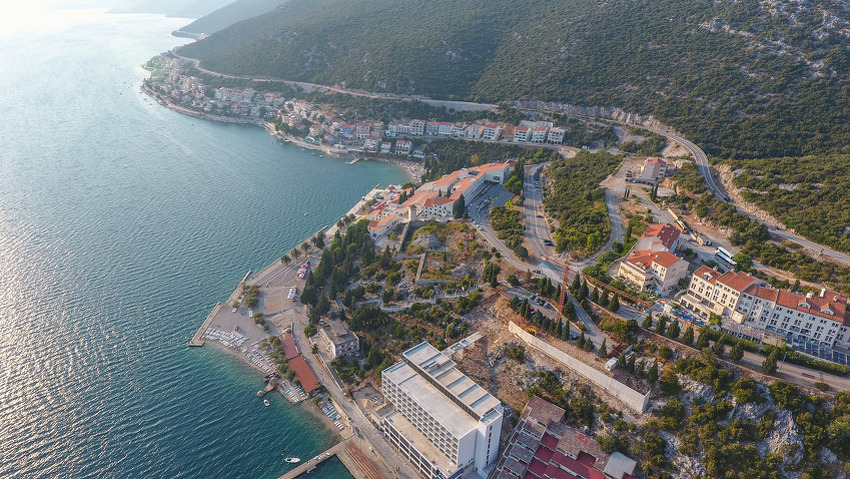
230 14
743 78
810 195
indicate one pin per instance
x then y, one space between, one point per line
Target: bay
122 223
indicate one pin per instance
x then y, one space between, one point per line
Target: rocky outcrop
726 177
601 112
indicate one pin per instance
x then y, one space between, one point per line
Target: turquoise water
121 225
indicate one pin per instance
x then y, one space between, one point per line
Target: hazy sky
43 14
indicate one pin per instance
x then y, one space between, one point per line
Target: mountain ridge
744 79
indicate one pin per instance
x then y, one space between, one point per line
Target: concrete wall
631 398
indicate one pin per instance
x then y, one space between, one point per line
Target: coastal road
814 249
363 427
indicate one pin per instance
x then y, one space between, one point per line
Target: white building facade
443 421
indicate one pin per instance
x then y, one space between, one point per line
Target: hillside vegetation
230 14
810 195
744 79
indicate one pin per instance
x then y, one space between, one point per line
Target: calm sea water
121 225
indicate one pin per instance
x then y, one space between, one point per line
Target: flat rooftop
443 375
431 400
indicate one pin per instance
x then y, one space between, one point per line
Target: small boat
265 402
292 460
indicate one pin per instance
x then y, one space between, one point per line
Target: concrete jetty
311 463
197 340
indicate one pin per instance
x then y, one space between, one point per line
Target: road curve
701 159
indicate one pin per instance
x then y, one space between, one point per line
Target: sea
122 223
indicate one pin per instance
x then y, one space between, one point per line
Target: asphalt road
701 159
479 212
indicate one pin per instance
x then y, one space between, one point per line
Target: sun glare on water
40 15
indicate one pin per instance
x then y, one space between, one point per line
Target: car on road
548 242
540 216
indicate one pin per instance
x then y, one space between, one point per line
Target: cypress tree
615 303
576 286
688 337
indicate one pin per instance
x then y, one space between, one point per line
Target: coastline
414 170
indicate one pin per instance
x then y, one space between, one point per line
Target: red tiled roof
549 441
665 232
644 259
737 281
304 374
289 347
703 270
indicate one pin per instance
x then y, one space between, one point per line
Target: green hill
230 14
744 78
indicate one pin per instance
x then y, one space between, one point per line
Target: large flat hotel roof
457 403
442 370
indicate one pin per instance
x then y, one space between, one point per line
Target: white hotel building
749 307
442 421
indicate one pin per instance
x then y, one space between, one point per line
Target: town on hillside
413 319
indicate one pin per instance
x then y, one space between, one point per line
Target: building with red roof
653 271
653 169
659 237
752 308
289 347
542 447
304 374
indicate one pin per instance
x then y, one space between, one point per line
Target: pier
349 453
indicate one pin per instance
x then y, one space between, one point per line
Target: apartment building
522 134
539 134
556 135
340 341
543 447
441 420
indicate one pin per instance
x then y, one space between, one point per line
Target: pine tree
594 296
581 340
583 291
603 349
688 337
647 322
